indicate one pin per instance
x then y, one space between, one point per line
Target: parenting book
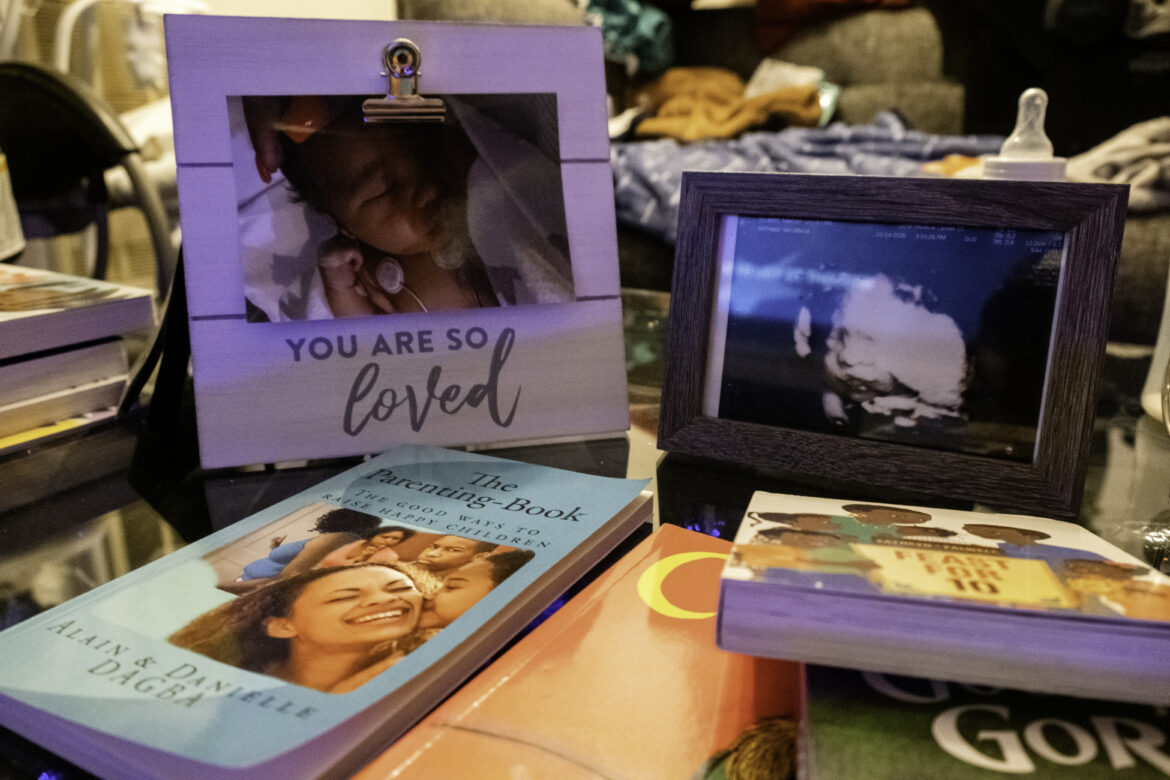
993 599
304 639
887 727
623 681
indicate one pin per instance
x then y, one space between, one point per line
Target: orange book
623 681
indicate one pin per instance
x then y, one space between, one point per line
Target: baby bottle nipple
1027 153
1028 141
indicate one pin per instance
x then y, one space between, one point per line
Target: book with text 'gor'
624 681
301 641
886 727
993 599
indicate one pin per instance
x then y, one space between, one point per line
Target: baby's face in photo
381 185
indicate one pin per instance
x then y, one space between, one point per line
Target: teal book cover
314 629
863 724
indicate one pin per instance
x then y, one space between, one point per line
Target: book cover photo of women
328 597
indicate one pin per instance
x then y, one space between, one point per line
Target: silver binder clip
403 103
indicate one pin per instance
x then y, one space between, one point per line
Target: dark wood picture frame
1091 217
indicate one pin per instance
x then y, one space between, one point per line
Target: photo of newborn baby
342 216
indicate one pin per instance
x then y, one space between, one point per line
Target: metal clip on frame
403 103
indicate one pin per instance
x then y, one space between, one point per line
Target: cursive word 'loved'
367 403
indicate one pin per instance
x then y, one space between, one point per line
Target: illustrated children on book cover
1007 561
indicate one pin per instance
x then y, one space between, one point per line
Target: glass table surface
80 511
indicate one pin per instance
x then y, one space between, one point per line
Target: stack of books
1051 641
63 358
201 664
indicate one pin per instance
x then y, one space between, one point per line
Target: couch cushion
873 47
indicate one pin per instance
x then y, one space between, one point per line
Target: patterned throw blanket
648 174
1139 157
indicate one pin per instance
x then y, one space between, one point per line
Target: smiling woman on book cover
340 624
330 629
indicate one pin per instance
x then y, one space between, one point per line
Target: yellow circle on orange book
650 585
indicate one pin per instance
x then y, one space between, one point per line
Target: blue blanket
648 174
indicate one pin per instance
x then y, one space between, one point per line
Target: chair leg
101 257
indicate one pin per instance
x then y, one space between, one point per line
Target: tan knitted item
698 103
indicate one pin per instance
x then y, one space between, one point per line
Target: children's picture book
423 246
995 599
888 727
623 681
42 310
301 641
